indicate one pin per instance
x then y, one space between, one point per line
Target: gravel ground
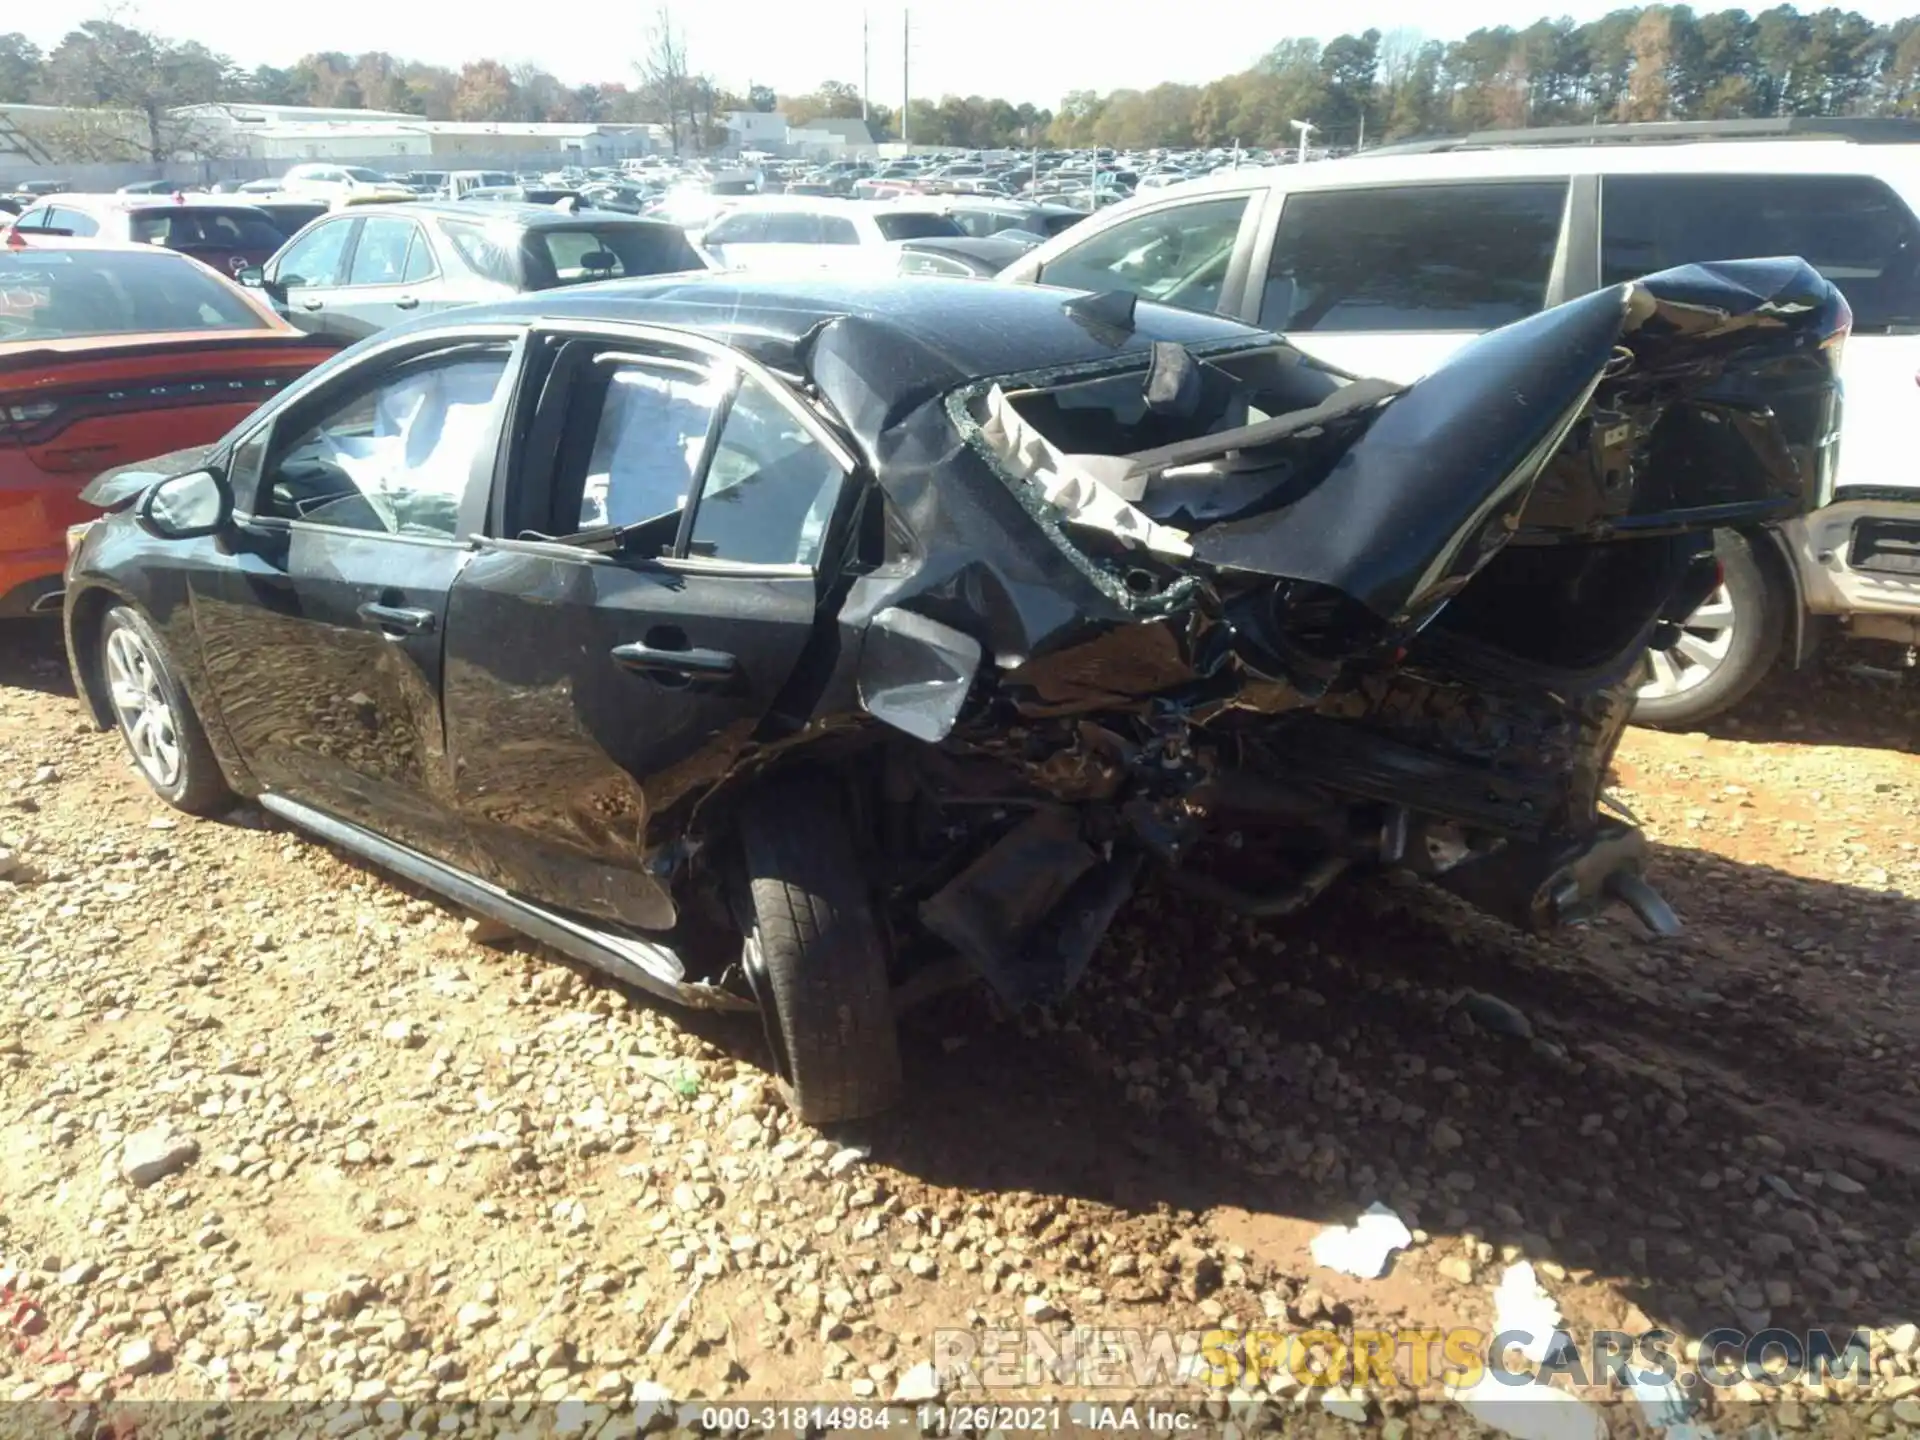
272 1126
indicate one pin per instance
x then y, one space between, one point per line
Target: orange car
111 353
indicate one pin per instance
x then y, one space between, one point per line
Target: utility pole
1306 128
1362 143
866 66
906 66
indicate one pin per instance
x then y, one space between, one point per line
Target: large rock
155 1153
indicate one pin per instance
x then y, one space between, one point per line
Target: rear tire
1726 647
155 717
816 956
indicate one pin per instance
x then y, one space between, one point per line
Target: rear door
324 639
1390 280
592 694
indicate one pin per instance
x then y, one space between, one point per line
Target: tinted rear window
1851 228
576 257
190 228
916 225
65 294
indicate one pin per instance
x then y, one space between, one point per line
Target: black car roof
966 328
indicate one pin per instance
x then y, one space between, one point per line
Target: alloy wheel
140 703
1706 639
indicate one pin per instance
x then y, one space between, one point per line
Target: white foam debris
1361 1249
1521 1307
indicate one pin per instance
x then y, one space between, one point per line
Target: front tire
816 957
1726 647
156 719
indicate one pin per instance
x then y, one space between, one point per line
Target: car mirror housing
184 507
252 277
915 673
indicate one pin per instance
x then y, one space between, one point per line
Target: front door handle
691 664
407 302
310 304
403 619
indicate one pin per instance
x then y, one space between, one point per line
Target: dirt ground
405 1167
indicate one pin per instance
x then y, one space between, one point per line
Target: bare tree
664 80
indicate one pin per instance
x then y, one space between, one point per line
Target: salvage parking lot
389 1159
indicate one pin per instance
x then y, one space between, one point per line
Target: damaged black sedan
783 645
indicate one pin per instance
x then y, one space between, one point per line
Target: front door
305 277
326 640
596 688
391 261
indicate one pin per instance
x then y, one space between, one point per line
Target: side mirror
915 673
253 277
184 507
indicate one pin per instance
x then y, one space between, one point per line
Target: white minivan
1384 264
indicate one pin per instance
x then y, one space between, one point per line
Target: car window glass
481 253
182 228
792 227
74 222
918 262
578 256
770 491
1416 257
380 258
742 227
837 230
646 451
64 294
915 225
1852 229
419 258
314 259
395 459
1178 255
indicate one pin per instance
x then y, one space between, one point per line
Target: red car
109 354
229 235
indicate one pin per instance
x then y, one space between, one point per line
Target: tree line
1655 62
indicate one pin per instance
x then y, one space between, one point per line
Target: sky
1033 50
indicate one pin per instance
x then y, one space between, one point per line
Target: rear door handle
407 302
693 664
404 619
